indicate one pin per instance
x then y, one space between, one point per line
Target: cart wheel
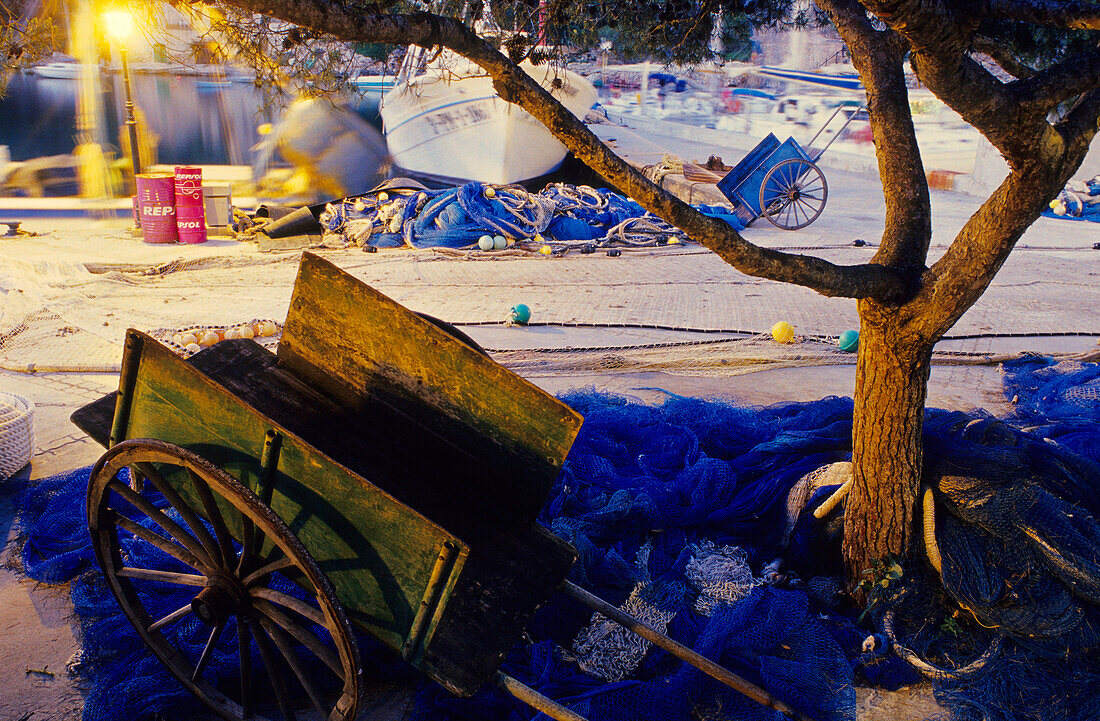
230 577
793 194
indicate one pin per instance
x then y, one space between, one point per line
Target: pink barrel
156 197
190 209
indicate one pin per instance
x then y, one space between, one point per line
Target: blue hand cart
780 181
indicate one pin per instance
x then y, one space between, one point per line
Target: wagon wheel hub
222 598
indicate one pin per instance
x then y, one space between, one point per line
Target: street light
119 25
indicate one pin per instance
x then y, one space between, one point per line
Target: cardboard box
219 208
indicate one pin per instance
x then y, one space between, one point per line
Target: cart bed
741 185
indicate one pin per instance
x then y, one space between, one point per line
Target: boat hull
458 127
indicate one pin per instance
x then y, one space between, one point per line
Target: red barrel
190 209
156 197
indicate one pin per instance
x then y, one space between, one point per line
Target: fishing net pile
561 217
1079 200
698 517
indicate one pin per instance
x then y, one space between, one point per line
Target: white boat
836 77
448 123
63 70
373 83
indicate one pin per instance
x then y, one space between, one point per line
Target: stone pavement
1049 287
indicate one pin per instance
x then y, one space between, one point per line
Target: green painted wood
501 439
369 396
378 552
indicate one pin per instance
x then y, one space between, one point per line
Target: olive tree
1042 121
1042 118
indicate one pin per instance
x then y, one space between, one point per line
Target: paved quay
73 287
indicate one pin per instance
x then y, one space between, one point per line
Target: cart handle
536 700
849 117
681 651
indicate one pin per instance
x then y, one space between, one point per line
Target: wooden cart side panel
498 596
378 553
506 438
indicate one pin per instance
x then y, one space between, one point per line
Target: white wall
990 168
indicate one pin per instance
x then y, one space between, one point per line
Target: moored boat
449 123
63 70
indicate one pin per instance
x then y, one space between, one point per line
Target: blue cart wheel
793 194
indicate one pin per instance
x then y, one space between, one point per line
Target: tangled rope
937 673
559 219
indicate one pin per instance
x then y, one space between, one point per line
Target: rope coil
935 672
16 433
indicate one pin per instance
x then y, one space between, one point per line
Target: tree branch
1082 123
959 278
1077 15
1059 82
941 35
878 57
426 30
1006 60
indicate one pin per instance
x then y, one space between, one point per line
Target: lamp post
119 25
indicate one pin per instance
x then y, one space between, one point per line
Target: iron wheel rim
793 193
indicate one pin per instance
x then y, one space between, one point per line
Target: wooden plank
378 552
510 573
96 417
499 439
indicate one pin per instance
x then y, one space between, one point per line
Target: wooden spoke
214 515
278 565
286 649
148 574
273 675
170 618
159 541
301 634
215 634
249 544
300 607
244 651
777 206
158 516
198 528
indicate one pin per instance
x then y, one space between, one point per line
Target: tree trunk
891 385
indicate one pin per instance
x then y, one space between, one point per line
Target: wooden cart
389 470
781 181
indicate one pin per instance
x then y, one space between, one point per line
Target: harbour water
200 121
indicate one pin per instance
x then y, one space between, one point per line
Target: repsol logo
158 210
189 225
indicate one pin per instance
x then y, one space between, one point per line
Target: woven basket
16 433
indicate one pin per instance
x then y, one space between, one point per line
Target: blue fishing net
458 217
655 498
